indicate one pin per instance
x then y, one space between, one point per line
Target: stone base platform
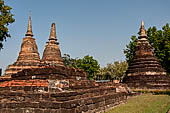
72 102
36 98
148 82
52 73
58 90
14 69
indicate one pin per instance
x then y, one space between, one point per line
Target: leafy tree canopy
5 19
88 64
68 61
159 40
115 71
130 49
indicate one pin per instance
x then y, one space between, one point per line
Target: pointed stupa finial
29 29
142 30
53 32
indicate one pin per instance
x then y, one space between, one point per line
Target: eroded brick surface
145 72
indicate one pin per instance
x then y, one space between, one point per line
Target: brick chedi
52 54
145 71
144 62
28 56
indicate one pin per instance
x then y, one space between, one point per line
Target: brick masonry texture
58 89
145 72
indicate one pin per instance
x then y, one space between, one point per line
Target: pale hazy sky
100 28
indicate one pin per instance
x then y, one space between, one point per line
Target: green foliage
159 40
68 61
114 71
5 19
88 64
130 49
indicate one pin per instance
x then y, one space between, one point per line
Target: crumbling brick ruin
31 85
48 90
145 72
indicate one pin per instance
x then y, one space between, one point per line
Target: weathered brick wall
52 105
57 72
152 82
84 84
57 85
33 94
37 97
57 90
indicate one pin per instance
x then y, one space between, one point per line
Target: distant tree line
115 71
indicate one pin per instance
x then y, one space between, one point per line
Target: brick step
146 69
148 77
144 66
90 104
147 81
60 96
148 58
144 62
148 86
57 72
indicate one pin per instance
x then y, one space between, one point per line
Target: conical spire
52 54
28 55
142 30
29 29
53 32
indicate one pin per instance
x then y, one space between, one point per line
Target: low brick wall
57 90
42 93
40 96
53 73
84 84
78 105
148 82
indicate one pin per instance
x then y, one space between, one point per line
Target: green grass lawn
146 103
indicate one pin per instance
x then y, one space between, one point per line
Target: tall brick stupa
52 54
145 71
28 55
144 62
